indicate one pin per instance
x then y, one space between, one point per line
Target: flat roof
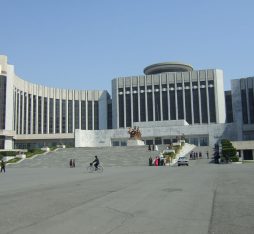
167 67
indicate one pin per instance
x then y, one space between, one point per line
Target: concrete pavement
201 198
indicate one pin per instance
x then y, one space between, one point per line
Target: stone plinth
135 142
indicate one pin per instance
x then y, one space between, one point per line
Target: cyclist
96 162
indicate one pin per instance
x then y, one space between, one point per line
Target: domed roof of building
167 67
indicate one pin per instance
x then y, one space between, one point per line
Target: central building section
169 91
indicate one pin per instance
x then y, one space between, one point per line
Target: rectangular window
25 113
2 101
76 114
21 112
135 103
96 115
90 115
150 102
203 141
51 115
57 116
244 106
187 96
34 114
14 109
18 112
121 108
212 108
83 115
229 110
128 107
39 114
180 101
2 139
195 102
157 103
164 102
45 116
172 102
251 105
203 102
142 104
64 116
70 116
109 114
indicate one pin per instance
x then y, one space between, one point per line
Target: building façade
170 100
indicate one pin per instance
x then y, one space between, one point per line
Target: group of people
2 166
196 155
153 147
157 161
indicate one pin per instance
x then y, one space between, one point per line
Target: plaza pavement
128 198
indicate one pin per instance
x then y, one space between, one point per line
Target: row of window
199 141
189 105
40 115
2 101
127 91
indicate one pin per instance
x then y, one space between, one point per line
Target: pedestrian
149 147
2 166
150 161
156 148
207 155
156 162
71 163
153 147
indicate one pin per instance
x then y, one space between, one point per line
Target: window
2 101
57 116
70 116
64 116
76 114
83 115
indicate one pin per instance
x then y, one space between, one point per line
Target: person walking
2 166
70 163
150 161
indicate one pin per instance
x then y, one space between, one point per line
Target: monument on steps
135 137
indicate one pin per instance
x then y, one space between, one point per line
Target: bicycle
91 169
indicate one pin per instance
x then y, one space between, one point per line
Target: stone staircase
109 156
184 152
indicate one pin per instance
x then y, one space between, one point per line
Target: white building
169 101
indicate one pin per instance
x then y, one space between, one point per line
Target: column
199 100
131 104
154 109
207 97
124 104
161 106
138 99
191 94
168 96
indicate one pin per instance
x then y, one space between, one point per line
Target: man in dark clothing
96 162
3 166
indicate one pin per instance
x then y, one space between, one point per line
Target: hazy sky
84 44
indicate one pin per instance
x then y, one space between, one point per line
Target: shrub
8 153
228 151
234 158
14 160
33 152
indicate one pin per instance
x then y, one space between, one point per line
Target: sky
84 44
